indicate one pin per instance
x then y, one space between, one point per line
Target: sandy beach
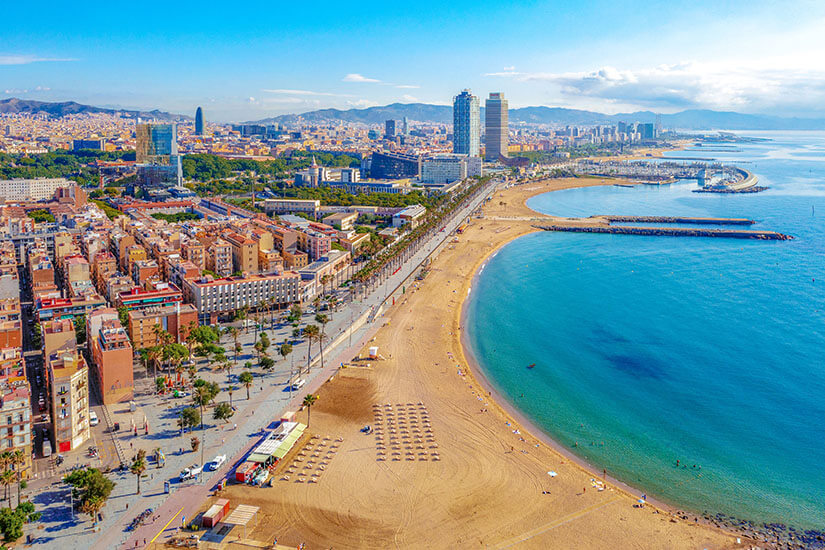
468 471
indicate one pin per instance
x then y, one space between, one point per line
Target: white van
298 384
93 419
47 448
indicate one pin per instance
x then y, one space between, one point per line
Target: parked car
93 419
216 463
191 472
298 384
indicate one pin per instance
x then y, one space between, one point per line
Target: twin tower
467 126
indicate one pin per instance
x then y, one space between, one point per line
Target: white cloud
362 103
407 86
409 99
718 85
355 77
303 92
22 59
510 69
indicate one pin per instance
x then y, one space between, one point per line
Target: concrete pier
669 232
678 219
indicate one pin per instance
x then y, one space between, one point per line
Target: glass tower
156 153
199 122
496 141
466 124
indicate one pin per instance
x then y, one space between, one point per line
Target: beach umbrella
641 501
551 473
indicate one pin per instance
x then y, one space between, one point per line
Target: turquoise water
653 349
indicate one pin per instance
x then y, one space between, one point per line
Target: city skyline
596 57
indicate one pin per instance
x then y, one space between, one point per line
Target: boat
531 365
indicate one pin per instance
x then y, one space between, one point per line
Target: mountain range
14 105
693 119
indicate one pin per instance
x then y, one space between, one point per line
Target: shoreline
488 483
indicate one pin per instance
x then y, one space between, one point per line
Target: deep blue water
710 351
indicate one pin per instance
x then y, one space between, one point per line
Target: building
67 308
35 189
69 388
466 124
93 144
112 356
156 155
199 122
384 165
497 140
390 130
411 214
176 319
446 168
343 221
244 253
16 422
214 298
155 293
57 334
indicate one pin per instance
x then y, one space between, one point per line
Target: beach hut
288 416
215 513
373 352
242 516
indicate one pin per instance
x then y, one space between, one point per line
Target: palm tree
246 379
309 400
18 458
230 390
6 479
153 355
235 333
324 280
311 332
138 466
322 319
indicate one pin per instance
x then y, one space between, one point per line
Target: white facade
31 189
449 168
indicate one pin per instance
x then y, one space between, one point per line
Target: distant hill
61 109
694 119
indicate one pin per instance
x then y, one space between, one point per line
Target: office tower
199 122
405 127
658 125
156 153
496 122
390 129
466 124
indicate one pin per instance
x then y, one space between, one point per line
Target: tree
18 459
295 313
12 521
91 489
6 479
246 379
230 390
267 362
204 393
123 316
285 349
174 355
322 319
189 418
80 329
324 280
138 466
311 332
195 443
309 401
160 384
223 411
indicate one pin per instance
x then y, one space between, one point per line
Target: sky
253 60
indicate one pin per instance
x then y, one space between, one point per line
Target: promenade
269 398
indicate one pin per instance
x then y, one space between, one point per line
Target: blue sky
255 59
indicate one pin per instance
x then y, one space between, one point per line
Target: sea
653 350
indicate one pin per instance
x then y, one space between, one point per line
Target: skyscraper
466 124
156 153
390 129
496 121
199 122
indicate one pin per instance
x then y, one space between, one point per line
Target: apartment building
68 378
153 293
36 189
219 258
112 356
214 298
176 319
244 253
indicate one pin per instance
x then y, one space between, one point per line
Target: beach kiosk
242 516
277 444
289 416
215 513
246 471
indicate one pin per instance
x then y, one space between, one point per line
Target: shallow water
652 349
